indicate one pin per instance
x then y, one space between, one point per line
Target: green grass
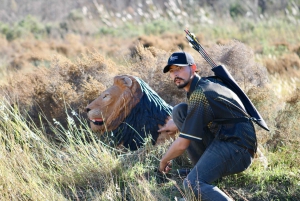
280 181
263 32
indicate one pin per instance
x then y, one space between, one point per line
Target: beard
185 82
181 86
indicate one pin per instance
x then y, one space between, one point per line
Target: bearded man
217 141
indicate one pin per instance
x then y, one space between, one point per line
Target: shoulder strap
232 120
225 76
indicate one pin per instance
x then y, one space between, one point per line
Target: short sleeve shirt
207 101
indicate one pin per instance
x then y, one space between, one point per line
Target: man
217 143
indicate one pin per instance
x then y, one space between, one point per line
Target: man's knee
180 109
179 114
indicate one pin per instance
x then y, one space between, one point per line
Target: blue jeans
219 159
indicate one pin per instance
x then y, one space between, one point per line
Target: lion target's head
114 104
130 110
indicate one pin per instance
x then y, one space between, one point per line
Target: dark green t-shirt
210 100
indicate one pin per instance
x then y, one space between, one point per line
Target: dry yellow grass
58 78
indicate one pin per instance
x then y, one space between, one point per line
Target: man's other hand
169 127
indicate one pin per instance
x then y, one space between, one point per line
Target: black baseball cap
179 59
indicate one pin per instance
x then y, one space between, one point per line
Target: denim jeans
219 159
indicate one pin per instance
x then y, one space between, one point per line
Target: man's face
181 75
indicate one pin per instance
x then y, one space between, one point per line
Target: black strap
234 120
229 121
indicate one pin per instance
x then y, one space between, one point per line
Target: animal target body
130 111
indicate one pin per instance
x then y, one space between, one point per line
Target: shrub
236 10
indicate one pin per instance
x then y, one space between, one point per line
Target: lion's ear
123 80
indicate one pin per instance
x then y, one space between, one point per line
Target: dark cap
179 59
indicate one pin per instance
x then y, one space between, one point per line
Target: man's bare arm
176 149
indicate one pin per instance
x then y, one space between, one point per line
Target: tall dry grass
59 154
49 152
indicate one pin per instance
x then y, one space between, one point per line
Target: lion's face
114 104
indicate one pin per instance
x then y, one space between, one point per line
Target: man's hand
165 167
175 150
169 127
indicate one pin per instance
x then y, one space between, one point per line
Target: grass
81 166
43 170
280 181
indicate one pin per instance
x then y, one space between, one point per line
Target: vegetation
50 70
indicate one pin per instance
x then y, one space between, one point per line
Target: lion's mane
143 120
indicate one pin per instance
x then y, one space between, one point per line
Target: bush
157 27
31 25
237 10
27 26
